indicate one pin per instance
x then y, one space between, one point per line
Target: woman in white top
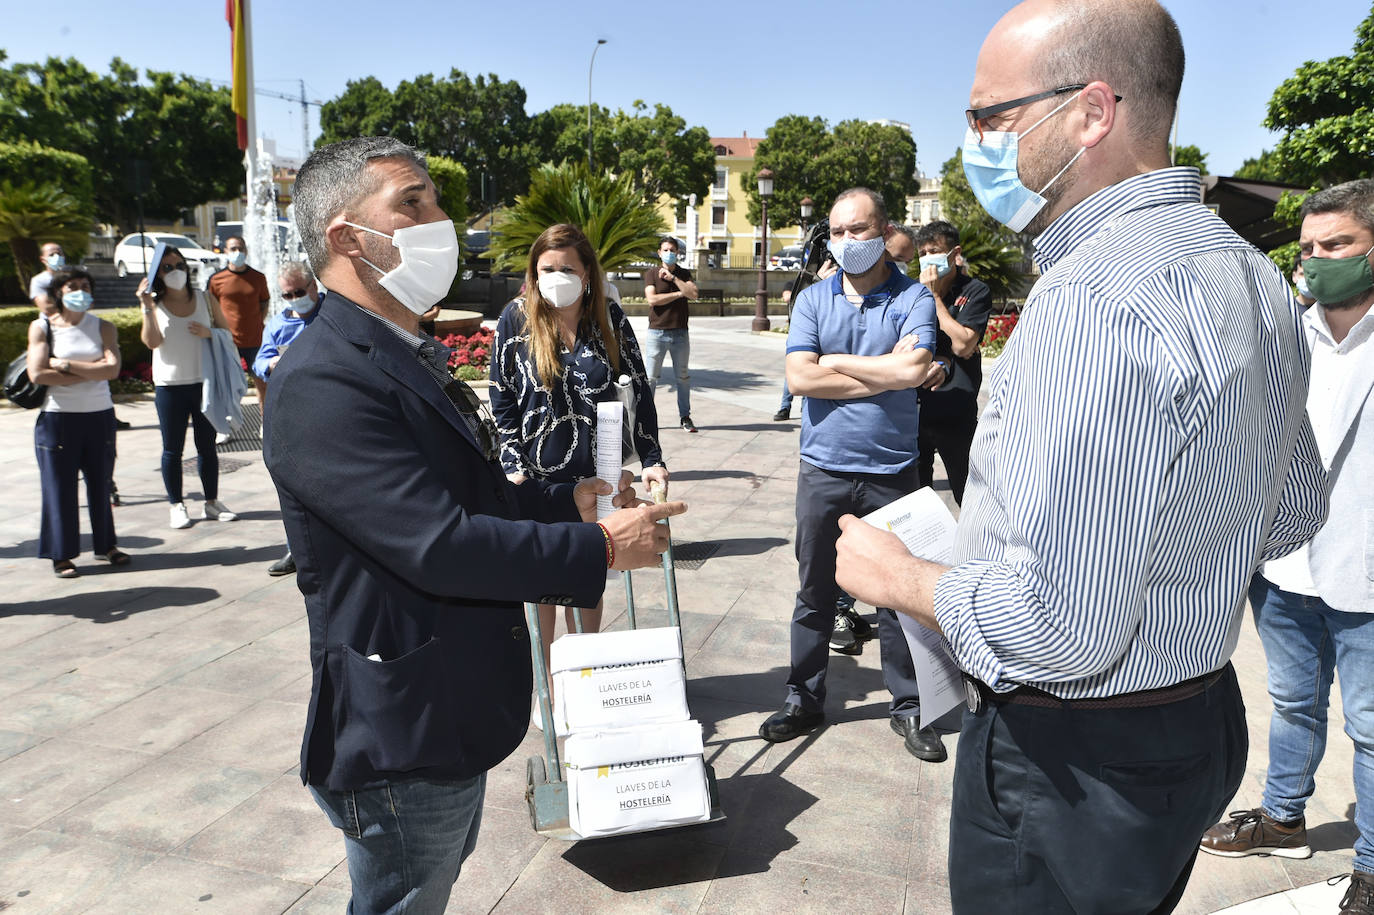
176 319
76 426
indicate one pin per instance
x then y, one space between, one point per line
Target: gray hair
908 231
298 270
333 179
879 207
1134 46
1353 197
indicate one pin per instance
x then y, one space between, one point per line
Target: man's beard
1036 174
1358 300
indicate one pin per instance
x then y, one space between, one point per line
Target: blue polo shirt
871 434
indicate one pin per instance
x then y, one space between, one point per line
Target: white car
131 257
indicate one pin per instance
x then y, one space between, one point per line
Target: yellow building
720 224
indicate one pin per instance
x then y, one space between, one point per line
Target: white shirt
177 359
1332 366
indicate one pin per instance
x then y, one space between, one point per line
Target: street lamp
807 208
761 297
599 43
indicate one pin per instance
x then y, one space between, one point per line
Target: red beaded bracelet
610 545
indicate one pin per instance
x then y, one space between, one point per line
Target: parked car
131 257
790 258
227 230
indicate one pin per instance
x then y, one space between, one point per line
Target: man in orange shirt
242 295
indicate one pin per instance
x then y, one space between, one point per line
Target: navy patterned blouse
549 435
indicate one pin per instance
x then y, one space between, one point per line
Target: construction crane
305 112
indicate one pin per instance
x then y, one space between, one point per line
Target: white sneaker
222 438
179 518
216 511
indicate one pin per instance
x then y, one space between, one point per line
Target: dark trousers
822 497
176 404
67 444
1059 810
948 430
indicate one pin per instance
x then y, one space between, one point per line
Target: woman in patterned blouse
556 355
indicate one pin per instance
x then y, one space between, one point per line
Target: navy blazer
414 554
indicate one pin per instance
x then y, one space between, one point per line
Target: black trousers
822 496
1059 810
67 444
948 430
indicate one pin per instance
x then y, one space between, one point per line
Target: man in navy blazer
413 551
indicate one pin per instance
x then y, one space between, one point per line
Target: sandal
64 568
116 557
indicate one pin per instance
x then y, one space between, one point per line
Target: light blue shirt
868 434
1143 448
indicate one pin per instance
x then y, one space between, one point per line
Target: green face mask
1333 280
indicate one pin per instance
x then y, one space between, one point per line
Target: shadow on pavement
1337 836
224 556
28 549
724 473
749 546
111 606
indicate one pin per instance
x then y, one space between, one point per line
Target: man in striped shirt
1144 446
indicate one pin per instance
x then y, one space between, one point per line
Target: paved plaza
150 719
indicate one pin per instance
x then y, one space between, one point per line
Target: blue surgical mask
55 261
238 258
939 261
856 256
1302 287
991 169
77 300
668 257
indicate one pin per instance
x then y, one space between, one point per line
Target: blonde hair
541 318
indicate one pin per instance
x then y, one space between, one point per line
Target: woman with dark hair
557 353
177 318
75 354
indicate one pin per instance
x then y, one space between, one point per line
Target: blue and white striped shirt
1144 446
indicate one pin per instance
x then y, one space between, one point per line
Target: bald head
1134 46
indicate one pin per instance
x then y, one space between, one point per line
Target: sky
733 69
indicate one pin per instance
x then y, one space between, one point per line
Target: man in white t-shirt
54 258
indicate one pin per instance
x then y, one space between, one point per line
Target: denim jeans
1305 643
177 403
406 841
677 344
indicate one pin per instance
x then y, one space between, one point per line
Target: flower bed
998 333
470 357
133 379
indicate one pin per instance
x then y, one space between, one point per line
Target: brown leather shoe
1254 832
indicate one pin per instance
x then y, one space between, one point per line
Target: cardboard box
635 779
618 680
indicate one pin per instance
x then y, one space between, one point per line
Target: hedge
14 332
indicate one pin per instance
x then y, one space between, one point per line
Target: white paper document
609 418
926 528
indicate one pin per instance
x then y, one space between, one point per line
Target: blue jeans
1305 643
177 403
676 343
406 841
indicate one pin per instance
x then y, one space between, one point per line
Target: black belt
977 694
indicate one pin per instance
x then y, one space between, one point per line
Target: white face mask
561 290
176 279
429 262
238 258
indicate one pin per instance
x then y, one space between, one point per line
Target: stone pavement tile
57 774
158 659
278 832
291 639
750 883
506 845
22 626
162 804
297 690
64 702
322 900
266 735
47 872
179 885
241 622
1217 883
253 670
664 871
160 719
13 743
739 759
67 649
338 877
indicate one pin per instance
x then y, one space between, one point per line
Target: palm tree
31 214
993 257
609 210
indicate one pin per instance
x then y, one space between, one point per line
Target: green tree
1326 111
33 214
610 211
1263 167
365 108
560 135
808 159
451 181
1191 155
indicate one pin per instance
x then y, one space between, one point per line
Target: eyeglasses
293 294
169 266
977 117
465 401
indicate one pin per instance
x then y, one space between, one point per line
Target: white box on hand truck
635 779
618 679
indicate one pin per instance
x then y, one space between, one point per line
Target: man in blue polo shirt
859 346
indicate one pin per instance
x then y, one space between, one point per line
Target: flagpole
251 153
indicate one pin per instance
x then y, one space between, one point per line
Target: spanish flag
236 13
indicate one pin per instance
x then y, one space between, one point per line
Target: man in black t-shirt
963 305
668 289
